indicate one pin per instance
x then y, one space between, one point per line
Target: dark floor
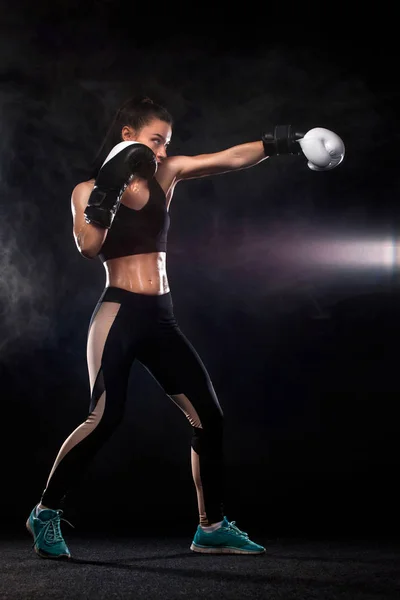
112 567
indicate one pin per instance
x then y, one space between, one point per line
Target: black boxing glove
283 140
125 160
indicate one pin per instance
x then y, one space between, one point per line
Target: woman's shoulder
84 185
81 192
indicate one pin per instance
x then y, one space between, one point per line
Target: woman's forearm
245 155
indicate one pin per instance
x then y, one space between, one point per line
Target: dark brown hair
137 111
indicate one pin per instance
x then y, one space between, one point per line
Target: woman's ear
127 133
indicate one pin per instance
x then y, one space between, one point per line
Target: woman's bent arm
88 237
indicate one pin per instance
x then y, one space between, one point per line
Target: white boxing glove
323 149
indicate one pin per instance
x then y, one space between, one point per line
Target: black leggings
126 326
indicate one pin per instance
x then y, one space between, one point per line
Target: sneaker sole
43 554
224 550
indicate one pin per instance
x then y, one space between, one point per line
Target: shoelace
51 532
236 530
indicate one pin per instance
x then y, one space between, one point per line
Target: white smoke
26 285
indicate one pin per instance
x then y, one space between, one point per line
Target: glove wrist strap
283 140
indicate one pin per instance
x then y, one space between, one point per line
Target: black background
303 352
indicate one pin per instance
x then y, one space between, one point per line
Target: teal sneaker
227 539
46 531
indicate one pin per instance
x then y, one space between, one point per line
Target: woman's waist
140 273
152 305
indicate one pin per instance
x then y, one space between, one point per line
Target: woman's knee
209 435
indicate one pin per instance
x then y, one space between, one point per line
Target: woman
121 215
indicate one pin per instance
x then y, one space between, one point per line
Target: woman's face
156 135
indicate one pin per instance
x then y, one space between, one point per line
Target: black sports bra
139 231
